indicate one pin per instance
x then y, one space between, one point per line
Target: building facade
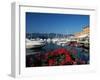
83 34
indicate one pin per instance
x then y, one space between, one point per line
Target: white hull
34 44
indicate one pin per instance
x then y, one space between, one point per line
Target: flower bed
57 57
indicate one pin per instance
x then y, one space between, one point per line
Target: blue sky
55 23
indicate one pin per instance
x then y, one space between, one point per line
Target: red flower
59 56
68 58
51 62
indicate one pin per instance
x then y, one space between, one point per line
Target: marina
45 46
57 39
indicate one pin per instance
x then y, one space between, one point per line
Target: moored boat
34 43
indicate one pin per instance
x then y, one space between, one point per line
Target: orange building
84 33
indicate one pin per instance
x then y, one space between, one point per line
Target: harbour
50 45
57 39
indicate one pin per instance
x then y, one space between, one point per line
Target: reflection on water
48 47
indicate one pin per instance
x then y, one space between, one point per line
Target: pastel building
82 34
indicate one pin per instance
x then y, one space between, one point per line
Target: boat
34 43
61 42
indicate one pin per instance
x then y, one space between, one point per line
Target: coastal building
84 34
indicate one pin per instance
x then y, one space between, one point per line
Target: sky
55 23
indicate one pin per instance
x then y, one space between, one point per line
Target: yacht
61 42
34 43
